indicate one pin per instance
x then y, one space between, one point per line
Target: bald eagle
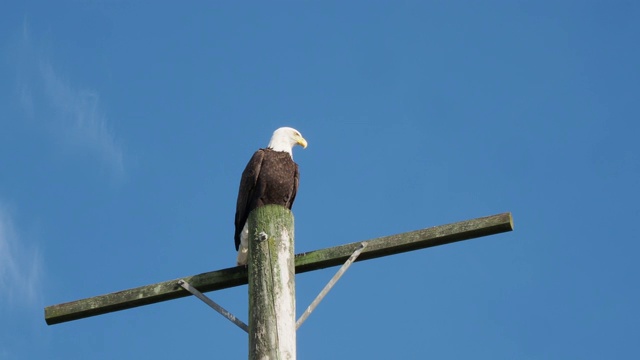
271 177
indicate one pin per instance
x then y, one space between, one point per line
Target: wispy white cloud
26 100
81 119
71 113
20 265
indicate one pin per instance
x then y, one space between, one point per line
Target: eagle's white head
285 138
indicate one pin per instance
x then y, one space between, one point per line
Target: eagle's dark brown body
271 177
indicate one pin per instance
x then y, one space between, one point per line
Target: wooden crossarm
309 261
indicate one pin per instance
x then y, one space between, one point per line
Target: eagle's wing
246 192
294 191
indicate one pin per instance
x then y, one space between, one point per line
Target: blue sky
125 126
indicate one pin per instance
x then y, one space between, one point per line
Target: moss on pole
271 266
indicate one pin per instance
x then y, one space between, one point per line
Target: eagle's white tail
243 254
243 249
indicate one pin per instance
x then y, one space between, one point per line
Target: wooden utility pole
273 252
272 300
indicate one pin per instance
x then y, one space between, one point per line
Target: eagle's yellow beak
301 141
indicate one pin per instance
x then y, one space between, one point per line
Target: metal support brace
330 284
213 305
